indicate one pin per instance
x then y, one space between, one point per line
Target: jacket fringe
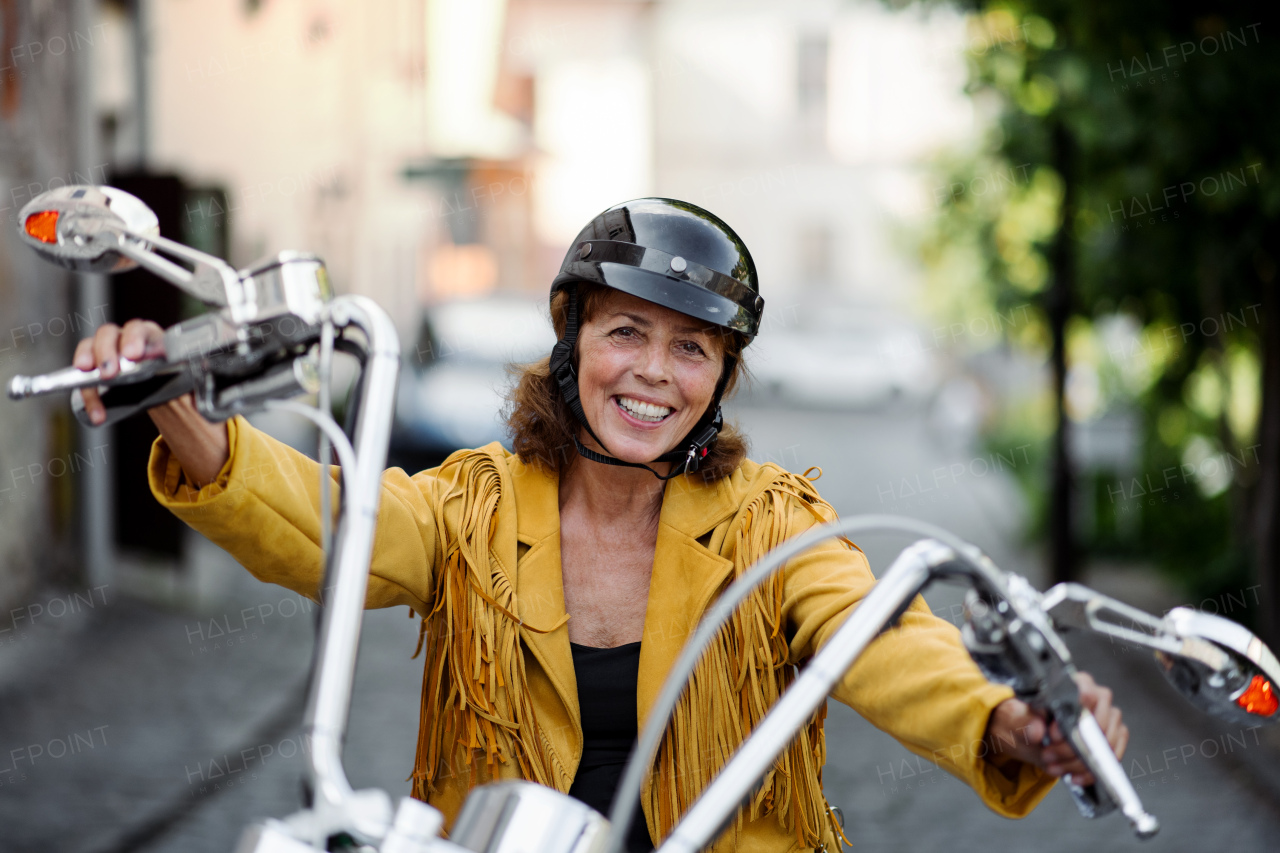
477 713
476 710
740 677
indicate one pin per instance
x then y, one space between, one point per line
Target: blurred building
45 51
438 149
809 127
431 149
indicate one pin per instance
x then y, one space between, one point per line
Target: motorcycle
271 337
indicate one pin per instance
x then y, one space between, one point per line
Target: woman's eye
690 348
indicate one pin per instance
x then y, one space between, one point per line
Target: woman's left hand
1016 730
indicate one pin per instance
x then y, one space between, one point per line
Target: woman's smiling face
646 375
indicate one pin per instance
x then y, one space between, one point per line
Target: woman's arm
201 447
915 682
259 499
263 507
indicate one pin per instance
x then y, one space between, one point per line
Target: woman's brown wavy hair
542 427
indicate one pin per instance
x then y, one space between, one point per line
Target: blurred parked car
843 357
454 380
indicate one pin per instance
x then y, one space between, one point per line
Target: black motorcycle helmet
674 254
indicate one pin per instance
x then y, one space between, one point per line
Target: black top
607 701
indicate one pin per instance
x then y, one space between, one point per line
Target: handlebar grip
1111 787
71 378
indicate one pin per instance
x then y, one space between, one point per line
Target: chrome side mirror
1220 666
82 227
1223 669
103 229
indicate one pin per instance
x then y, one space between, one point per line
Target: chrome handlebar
73 378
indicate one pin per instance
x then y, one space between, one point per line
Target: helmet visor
667 280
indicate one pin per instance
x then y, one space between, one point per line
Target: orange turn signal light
43 226
1258 698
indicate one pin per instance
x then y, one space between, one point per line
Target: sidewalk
131 728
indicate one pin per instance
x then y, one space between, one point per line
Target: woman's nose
653 364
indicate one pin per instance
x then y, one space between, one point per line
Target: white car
844 358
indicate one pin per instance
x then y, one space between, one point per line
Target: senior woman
557 583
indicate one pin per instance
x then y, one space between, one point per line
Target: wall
38 467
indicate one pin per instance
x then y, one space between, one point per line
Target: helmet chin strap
686 459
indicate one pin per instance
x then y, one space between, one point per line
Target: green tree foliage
1146 134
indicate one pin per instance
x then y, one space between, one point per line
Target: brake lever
1059 701
1014 643
127 399
1112 787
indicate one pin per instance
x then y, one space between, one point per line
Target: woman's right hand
138 340
200 446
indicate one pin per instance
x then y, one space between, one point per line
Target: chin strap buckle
702 442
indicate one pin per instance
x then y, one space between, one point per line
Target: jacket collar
690 505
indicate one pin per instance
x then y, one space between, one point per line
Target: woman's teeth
643 411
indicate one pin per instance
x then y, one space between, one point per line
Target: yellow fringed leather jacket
473 548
